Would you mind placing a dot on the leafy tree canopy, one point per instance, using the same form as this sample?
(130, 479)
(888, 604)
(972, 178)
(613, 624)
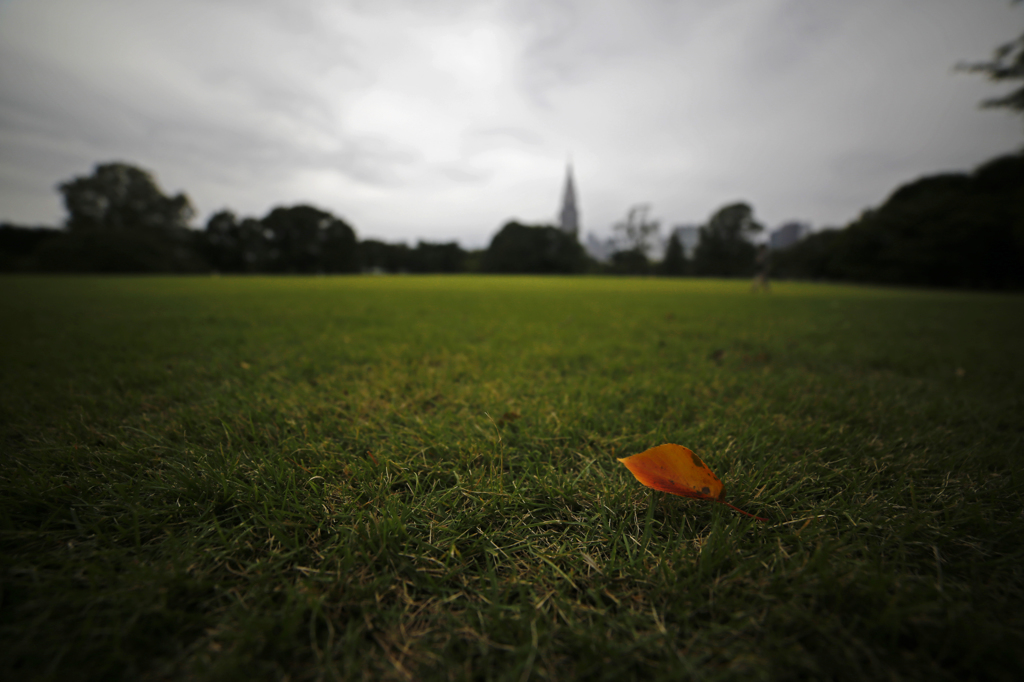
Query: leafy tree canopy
(234, 245)
(306, 239)
(119, 220)
(120, 197)
(955, 229)
(1007, 64)
(674, 263)
(724, 249)
(534, 249)
(637, 232)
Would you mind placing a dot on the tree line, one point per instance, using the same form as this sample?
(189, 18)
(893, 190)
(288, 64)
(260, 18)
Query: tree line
(948, 230)
(956, 229)
(953, 229)
(120, 221)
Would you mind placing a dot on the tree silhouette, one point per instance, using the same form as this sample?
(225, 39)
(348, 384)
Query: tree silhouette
(953, 229)
(537, 249)
(306, 239)
(634, 238)
(120, 221)
(1007, 64)
(636, 232)
(120, 197)
(674, 263)
(724, 248)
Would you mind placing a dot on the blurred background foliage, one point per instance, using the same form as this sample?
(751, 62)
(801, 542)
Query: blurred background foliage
(947, 230)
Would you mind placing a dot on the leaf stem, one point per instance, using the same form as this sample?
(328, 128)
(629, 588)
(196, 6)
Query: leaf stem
(756, 518)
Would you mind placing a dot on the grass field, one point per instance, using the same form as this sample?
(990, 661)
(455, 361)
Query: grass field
(416, 478)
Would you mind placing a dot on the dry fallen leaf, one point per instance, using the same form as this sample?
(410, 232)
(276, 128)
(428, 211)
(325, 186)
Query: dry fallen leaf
(674, 469)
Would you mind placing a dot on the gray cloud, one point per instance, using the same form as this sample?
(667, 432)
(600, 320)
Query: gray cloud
(440, 120)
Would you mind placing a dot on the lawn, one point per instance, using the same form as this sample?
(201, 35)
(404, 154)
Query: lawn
(415, 478)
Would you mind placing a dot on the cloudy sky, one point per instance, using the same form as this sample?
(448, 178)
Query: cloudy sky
(440, 120)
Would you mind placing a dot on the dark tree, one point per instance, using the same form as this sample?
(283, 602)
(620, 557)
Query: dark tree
(380, 256)
(533, 249)
(630, 262)
(637, 232)
(118, 197)
(953, 230)
(724, 249)
(254, 246)
(429, 257)
(233, 245)
(674, 264)
(223, 243)
(634, 237)
(426, 257)
(18, 245)
(306, 239)
(120, 221)
(813, 257)
(1007, 64)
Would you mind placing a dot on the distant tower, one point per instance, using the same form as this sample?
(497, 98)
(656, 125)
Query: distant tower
(569, 217)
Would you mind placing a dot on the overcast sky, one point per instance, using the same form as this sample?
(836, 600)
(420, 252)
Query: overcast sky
(441, 120)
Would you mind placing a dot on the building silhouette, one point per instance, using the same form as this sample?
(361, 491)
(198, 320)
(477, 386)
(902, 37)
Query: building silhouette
(569, 217)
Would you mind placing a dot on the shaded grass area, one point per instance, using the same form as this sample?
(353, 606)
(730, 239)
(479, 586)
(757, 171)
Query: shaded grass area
(415, 478)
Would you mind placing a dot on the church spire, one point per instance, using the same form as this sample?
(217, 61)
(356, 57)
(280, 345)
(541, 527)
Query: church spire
(569, 217)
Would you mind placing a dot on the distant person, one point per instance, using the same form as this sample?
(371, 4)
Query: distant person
(762, 263)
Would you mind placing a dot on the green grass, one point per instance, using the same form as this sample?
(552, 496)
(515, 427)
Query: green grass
(415, 478)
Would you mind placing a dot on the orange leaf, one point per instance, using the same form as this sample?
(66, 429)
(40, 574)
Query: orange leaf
(674, 469)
